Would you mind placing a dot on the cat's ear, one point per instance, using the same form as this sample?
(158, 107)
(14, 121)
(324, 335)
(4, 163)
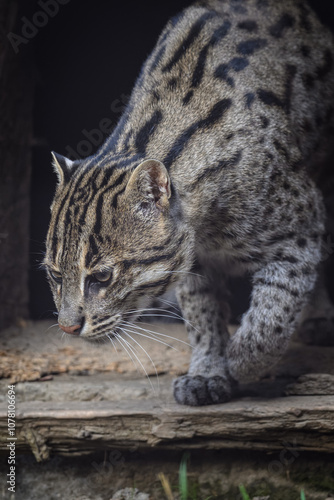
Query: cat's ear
(151, 181)
(62, 166)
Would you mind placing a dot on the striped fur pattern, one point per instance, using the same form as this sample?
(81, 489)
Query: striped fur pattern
(214, 169)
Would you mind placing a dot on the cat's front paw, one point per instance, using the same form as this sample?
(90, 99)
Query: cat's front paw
(317, 331)
(200, 391)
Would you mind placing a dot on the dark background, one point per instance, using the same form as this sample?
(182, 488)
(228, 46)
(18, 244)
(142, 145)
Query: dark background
(87, 58)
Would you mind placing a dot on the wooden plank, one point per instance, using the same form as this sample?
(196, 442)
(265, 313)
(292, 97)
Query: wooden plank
(306, 423)
(312, 384)
(115, 407)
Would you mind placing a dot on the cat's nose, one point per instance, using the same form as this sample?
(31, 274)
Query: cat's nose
(72, 330)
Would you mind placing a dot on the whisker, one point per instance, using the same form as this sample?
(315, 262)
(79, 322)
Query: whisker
(147, 354)
(160, 334)
(156, 333)
(177, 272)
(113, 343)
(171, 315)
(132, 349)
(144, 309)
(148, 336)
(52, 326)
(158, 309)
(166, 316)
(119, 338)
(169, 303)
(157, 316)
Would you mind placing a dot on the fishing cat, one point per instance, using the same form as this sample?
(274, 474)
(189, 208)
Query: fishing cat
(213, 169)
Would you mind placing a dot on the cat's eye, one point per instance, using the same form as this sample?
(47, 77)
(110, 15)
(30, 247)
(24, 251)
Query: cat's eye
(56, 276)
(102, 276)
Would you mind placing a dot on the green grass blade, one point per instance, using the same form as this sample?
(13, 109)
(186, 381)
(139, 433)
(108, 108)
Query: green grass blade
(243, 492)
(183, 481)
(302, 495)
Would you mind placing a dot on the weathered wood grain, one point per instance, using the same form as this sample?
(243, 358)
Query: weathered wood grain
(312, 384)
(307, 423)
(116, 407)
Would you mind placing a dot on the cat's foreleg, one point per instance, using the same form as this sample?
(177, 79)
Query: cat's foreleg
(206, 314)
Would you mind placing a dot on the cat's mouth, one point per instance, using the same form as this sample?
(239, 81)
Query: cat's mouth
(100, 328)
(109, 334)
(99, 339)
(97, 329)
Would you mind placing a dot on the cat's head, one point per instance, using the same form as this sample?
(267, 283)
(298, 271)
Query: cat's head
(112, 243)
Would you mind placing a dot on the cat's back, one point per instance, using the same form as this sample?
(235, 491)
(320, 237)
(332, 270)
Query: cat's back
(222, 72)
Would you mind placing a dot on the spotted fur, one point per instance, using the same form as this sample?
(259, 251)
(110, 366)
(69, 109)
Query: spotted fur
(214, 169)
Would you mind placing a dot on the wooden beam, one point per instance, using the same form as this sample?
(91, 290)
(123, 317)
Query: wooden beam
(306, 423)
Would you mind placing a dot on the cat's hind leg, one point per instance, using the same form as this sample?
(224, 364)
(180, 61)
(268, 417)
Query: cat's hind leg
(280, 291)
